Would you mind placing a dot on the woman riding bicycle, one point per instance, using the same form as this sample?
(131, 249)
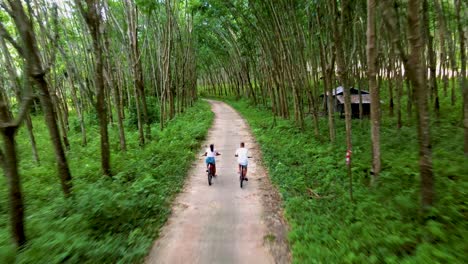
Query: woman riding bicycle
(210, 154)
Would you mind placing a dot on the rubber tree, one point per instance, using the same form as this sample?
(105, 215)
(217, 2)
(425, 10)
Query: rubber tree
(9, 126)
(413, 63)
(35, 69)
(374, 89)
(92, 12)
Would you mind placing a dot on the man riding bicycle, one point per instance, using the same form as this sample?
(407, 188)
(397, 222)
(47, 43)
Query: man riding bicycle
(210, 154)
(242, 155)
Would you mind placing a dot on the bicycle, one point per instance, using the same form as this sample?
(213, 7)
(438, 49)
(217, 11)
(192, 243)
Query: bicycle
(211, 167)
(210, 172)
(242, 175)
(243, 171)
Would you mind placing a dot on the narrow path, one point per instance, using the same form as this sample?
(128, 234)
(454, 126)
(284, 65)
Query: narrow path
(223, 223)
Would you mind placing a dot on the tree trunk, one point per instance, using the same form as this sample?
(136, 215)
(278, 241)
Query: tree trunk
(117, 102)
(141, 134)
(51, 121)
(92, 16)
(399, 88)
(326, 72)
(36, 72)
(420, 87)
(16, 85)
(442, 35)
(374, 89)
(391, 105)
(32, 139)
(409, 98)
(59, 116)
(432, 60)
(167, 94)
(415, 70)
(462, 77)
(9, 163)
(135, 60)
(338, 33)
(79, 111)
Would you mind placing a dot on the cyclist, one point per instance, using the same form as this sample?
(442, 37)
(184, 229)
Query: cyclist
(210, 154)
(242, 155)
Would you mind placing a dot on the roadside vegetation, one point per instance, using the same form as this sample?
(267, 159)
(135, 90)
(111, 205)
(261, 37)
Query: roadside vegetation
(107, 219)
(383, 224)
(99, 121)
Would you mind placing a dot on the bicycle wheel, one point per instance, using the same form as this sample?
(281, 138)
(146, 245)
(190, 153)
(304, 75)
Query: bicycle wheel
(241, 177)
(210, 175)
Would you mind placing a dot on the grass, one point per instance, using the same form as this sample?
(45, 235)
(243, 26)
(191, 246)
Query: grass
(108, 220)
(384, 224)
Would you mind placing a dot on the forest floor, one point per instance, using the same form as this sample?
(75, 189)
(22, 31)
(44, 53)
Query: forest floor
(223, 223)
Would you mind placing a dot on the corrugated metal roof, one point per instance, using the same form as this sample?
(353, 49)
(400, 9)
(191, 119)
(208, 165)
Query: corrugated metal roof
(355, 98)
(339, 90)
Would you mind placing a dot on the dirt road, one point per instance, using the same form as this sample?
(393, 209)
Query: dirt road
(223, 223)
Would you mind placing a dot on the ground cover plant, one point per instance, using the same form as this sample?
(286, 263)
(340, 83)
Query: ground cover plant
(107, 219)
(383, 224)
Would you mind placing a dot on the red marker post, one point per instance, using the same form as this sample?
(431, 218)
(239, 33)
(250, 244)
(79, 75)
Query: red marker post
(348, 157)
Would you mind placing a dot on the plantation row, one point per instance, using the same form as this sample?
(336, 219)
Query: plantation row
(381, 59)
(82, 66)
(386, 184)
(383, 224)
(107, 219)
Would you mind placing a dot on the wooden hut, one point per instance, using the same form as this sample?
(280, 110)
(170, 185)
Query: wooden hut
(338, 101)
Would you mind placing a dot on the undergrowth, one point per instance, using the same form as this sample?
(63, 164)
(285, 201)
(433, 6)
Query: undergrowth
(384, 224)
(108, 219)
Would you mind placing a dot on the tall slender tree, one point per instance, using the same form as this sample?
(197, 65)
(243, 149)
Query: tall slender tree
(463, 84)
(92, 13)
(374, 89)
(36, 71)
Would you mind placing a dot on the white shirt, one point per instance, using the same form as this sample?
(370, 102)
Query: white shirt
(210, 154)
(242, 156)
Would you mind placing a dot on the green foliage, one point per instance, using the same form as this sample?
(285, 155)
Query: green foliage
(384, 225)
(107, 220)
(152, 104)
